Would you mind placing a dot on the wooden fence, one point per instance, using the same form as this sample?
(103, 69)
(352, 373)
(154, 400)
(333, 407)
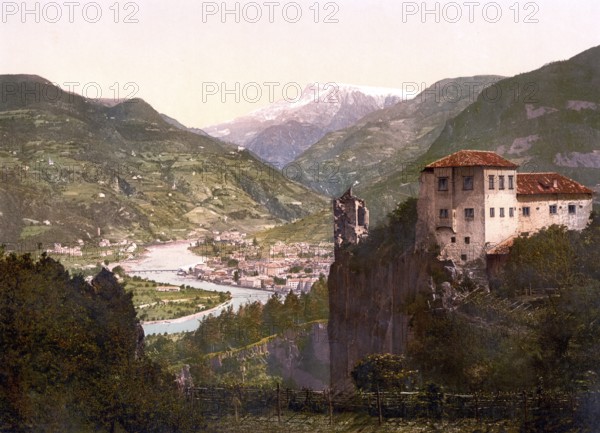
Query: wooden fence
(216, 402)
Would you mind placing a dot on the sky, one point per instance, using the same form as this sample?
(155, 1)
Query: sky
(208, 62)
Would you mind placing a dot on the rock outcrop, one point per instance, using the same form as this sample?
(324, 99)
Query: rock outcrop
(368, 309)
(300, 357)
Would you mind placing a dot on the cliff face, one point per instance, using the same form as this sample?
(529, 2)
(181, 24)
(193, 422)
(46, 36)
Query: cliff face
(300, 357)
(367, 309)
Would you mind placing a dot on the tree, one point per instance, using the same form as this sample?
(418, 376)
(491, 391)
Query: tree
(380, 372)
(383, 371)
(71, 357)
(544, 260)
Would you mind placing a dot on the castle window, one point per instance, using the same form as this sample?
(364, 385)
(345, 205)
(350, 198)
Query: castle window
(511, 182)
(463, 257)
(553, 209)
(469, 213)
(443, 213)
(442, 184)
(362, 216)
(500, 182)
(468, 182)
(501, 212)
(572, 209)
(491, 181)
(511, 212)
(467, 240)
(526, 211)
(453, 239)
(492, 212)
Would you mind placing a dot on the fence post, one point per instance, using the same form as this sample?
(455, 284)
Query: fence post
(330, 407)
(524, 407)
(278, 404)
(379, 406)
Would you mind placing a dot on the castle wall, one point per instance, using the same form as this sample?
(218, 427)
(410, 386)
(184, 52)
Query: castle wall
(540, 216)
(486, 228)
(502, 225)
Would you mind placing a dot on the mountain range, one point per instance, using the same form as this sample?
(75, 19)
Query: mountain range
(386, 140)
(545, 120)
(76, 168)
(79, 168)
(281, 131)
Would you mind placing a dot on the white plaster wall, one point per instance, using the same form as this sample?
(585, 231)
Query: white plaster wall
(497, 228)
(540, 216)
(482, 230)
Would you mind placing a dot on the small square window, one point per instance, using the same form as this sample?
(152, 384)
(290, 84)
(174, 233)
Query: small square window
(500, 182)
(572, 209)
(526, 211)
(501, 212)
(442, 184)
(553, 209)
(511, 212)
(444, 213)
(491, 181)
(469, 213)
(492, 212)
(463, 257)
(467, 240)
(453, 239)
(468, 182)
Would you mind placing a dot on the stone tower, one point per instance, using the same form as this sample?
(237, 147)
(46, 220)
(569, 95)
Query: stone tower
(350, 219)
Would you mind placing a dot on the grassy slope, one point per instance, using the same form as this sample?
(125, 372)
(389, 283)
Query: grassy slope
(156, 180)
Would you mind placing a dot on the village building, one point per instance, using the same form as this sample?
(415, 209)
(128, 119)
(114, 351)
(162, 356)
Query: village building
(474, 203)
(271, 269)
(300, 284)
(250, 282)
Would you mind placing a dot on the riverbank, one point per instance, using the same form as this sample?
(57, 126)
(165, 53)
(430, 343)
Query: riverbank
(155, 262)
(186, 318)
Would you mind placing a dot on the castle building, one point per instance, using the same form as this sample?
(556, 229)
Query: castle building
(474, 203)
(351, 219)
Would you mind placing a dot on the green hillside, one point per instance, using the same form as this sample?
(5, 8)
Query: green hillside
(385, 142)
(74, 168)
(545, 120)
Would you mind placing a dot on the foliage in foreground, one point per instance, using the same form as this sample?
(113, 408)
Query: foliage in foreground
(71, 358)
(507, 341)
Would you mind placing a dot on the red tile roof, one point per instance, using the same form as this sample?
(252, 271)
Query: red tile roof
(548, 183)
(472, 158)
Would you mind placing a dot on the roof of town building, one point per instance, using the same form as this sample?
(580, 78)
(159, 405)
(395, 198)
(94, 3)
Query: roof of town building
(548, 183)
(472, 158)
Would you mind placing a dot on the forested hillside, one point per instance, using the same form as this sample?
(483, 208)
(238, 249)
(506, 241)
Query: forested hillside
(72, 356)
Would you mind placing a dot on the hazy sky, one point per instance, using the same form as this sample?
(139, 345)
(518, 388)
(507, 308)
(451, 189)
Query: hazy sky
(182, 55)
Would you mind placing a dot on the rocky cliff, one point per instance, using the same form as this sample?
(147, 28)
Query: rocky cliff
(369, 308)
(300, 357)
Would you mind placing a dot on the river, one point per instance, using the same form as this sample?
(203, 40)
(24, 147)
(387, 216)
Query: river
(174, 255)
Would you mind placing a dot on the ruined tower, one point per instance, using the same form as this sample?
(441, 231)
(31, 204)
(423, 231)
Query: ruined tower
(350, 219)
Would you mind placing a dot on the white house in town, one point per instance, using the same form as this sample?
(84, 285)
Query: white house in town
(474, 203)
